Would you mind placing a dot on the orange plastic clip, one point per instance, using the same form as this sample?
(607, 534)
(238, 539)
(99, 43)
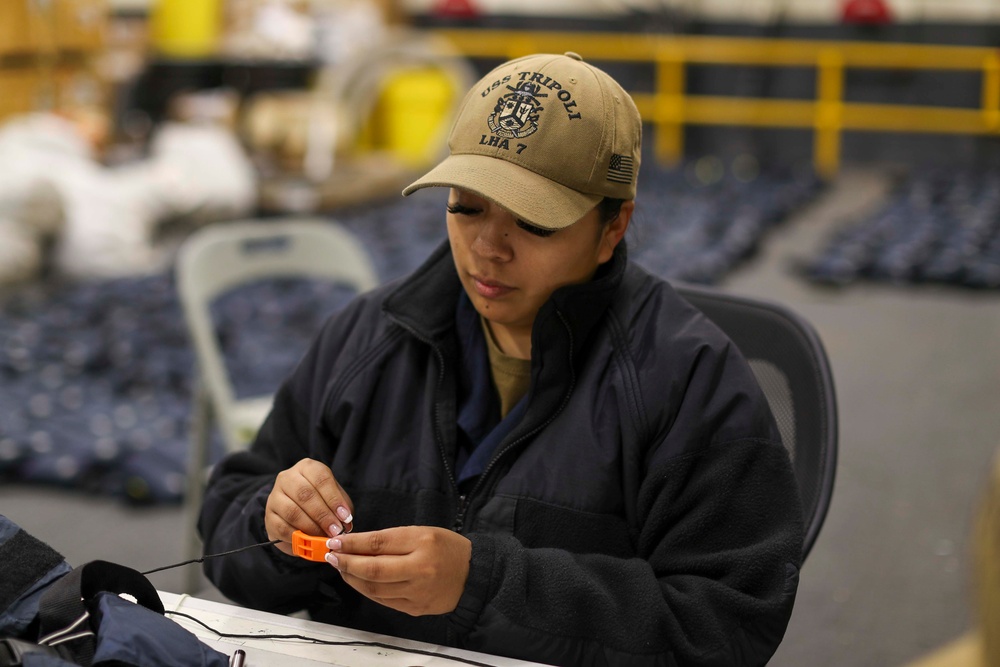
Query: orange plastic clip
(310, 547)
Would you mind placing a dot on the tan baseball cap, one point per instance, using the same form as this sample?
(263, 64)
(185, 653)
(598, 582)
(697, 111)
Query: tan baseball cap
(546, 137)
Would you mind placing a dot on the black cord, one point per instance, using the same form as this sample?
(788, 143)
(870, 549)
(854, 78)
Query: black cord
(314, 640)
(327, 642)
(202, 559)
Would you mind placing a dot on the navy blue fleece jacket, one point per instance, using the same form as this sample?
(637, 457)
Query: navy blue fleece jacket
(642, 512)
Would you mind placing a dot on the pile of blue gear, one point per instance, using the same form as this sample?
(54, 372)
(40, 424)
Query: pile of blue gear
(696, 223)
(938, 227)
(96, 378)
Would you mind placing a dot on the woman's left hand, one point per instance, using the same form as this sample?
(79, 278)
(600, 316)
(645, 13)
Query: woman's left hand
(417, 570)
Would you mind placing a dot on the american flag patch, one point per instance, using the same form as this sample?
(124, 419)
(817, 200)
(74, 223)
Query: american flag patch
(621, 169)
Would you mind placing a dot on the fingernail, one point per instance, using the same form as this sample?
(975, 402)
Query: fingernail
(333, 560)
(334, 544)
(345, 514)
(335, 529)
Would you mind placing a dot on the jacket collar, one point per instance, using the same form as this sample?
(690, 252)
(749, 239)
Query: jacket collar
(425, 301)
(576, 309)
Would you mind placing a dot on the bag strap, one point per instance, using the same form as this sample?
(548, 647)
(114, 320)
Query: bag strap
(64, 611)
(26, 562)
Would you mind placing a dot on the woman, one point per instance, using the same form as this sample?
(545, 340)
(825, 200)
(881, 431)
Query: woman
(529, 446)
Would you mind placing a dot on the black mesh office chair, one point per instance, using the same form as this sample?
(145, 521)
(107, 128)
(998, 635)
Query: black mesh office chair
(790, 363)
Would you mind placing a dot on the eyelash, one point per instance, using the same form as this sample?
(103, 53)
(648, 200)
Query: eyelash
(537, 231)
(459, 209)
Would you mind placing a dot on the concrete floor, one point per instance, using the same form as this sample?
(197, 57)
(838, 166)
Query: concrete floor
(918, 379)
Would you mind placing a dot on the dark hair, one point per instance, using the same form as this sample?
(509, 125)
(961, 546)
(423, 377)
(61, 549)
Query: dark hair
(609, 208)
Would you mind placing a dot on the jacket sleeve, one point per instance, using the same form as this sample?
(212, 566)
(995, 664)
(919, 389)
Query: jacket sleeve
(232, 514)
(718, 549)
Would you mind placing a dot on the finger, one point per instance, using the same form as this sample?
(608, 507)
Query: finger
(387, 593)
(276, 526)
(294, 502)
(282, 515)
(332, 496)
(278, 529)
(400, 596)
(375, 569)
(390, 541)
(309, 498)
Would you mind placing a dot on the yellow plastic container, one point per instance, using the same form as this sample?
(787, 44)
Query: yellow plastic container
(186, 28)
(411, 115)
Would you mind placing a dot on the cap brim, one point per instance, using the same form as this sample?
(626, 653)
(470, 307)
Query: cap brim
(524, 193)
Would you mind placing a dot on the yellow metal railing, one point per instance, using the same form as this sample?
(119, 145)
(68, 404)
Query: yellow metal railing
(669, 108)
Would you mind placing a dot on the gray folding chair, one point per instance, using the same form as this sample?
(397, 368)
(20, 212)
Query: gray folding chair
(790, 363)
(215, 260)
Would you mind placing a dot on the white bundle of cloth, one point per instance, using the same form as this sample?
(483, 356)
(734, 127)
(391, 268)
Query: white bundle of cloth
(103, 220)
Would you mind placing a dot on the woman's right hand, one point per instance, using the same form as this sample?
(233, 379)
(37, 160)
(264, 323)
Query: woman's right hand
(306, 497)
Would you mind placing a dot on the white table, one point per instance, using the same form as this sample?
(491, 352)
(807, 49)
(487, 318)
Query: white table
(232, 619)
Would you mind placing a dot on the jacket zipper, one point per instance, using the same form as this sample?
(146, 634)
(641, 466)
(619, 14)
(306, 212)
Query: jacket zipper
(464, 501)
